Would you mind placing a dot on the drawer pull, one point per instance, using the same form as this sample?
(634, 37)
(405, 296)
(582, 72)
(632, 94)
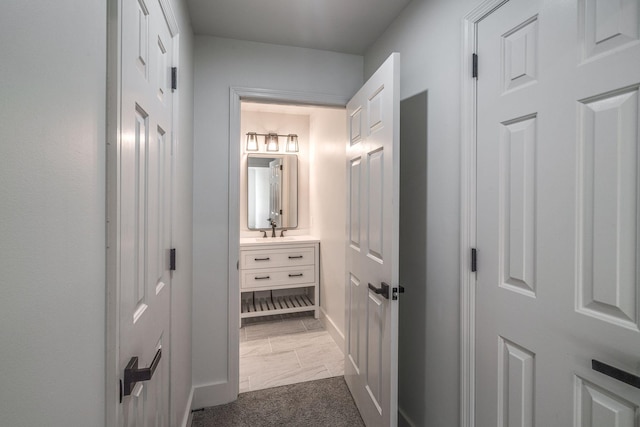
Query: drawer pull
(262, 277)
(295, 257)
(262, 259)
(296, 275)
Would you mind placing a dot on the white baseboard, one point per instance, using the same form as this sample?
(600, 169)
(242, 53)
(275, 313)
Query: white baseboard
(187, 418)
(212, 394)
(404, 420)
(333, 330)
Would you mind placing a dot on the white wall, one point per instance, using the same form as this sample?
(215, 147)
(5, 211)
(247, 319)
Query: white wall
(428, 36)
(283, 124)
(52, 214)
(219, 65)
(328, 210)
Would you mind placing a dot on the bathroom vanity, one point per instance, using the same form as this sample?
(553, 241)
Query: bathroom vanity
(279, 275)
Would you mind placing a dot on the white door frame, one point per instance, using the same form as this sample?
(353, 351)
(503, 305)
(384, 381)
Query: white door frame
(468, 209)
(113, 123)
(236, 96)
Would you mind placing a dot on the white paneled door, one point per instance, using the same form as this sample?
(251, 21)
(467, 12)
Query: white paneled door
(373, 158)
(275, 192)
(558, 213)
(143, 197)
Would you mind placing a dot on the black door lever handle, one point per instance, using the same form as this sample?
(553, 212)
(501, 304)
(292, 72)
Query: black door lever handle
(382, 290)
(618, 374)
(132, 374)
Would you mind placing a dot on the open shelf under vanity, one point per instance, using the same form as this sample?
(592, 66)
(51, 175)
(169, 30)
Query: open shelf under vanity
(258, 304)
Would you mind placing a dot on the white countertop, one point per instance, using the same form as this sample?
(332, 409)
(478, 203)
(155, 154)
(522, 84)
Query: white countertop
(252, 241)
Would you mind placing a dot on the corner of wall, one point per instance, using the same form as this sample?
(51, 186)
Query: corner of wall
(187, 416)
(330, 326)
(404, 420)
(212, 394)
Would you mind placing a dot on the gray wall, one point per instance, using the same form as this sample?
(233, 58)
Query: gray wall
(52, 220)
(428, 36)
(412, 340)
(52, 214)
(219, 65)
(182, 223)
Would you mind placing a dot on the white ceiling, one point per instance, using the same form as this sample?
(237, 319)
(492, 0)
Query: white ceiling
(348, 26)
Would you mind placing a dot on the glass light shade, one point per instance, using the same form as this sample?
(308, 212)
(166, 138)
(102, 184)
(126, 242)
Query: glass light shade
(272, 142)
(252, 141)
(292, 143)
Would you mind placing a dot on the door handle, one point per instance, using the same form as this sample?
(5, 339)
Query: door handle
(382, 290)
(615, 373)
(132, 374)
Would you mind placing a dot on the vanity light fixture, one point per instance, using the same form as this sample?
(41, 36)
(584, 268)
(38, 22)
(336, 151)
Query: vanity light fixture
(252, 141)
(271, 140)
(292, 143)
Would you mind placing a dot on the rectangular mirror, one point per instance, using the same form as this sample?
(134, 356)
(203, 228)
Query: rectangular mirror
(272, 190)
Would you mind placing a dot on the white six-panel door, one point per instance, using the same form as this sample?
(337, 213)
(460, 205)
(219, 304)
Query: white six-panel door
(275, 191)
(143, 195)
(558, 213)
(372, 245)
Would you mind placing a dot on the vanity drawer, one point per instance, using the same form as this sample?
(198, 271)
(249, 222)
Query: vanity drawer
(275, 277)
(277, 258)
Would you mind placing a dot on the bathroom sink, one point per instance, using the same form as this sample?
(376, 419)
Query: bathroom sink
(274, 239)
(252, 241)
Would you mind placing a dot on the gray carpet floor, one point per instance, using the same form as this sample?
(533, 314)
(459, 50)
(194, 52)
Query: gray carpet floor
(318, 403)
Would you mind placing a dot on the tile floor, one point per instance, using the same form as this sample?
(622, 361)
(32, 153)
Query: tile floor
(286, 350)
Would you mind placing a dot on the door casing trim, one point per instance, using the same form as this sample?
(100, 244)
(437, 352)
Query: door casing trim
(468, 200)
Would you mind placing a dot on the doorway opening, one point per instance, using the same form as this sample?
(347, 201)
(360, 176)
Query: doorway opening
(371, 157)
(291, 229)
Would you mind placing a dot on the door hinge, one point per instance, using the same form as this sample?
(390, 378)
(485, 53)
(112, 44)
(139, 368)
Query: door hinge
(121, 391)
(174, 78)
(238, 265)
(474, 260)
(172, 259)
(474, 71)
(280, 211)
(280, 167)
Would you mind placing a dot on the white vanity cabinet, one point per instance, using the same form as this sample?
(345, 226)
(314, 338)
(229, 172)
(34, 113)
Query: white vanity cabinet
(279, 275)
